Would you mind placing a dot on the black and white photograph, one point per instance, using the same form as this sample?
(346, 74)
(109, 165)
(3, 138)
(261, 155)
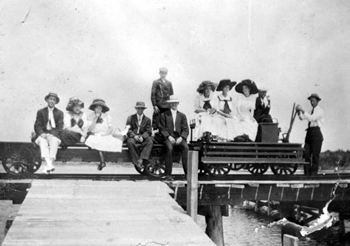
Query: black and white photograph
(175, 122)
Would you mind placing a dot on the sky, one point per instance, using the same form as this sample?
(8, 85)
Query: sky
(113, 50)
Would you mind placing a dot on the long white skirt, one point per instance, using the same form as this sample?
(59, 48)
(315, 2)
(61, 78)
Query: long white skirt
(248, 126)
(230, 128)
(207, 123)
(105, 143)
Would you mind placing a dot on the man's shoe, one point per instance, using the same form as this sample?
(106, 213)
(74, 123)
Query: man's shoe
(51, 169)
(139, 164)
(45, 171)
(167, 178)
(101, 166)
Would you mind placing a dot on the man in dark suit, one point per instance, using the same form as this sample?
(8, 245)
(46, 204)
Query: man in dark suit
(262, 107)
(140, 132)
(161, 90)
(174, 128)
(48, 127)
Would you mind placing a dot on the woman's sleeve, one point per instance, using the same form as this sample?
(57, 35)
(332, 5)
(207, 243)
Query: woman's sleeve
(109, 120)
(85, 120)
(215, 103)
(196, 103)
(66, 121)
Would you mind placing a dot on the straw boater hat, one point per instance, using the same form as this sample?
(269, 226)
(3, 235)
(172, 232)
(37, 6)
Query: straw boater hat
(224, 83)
(51, 94)
(99, 102)
(204, 85)
(251, 84)
(140, 105)
(263, 88)
(163, 69)
(173, 99)
(315, 95)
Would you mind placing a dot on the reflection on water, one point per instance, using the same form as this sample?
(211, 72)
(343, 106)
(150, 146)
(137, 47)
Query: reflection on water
(240, 230)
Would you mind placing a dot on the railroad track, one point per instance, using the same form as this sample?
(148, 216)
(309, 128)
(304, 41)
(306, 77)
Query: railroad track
(138, 177)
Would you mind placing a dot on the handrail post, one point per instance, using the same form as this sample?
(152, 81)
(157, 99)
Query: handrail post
(192, 185)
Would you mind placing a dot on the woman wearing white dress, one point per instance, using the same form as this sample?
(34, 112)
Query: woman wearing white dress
(245, 108)
(205, 107)
(227, 110)
(101, 130)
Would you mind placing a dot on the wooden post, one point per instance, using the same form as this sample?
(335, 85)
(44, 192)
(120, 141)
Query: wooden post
(192, 185)
(214, 228)
(289, 240)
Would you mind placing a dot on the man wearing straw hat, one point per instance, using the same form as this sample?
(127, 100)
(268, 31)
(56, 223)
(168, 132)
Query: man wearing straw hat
(48, 127)
(161, 90)
(140, 132)
(174, 128)
(314, 137)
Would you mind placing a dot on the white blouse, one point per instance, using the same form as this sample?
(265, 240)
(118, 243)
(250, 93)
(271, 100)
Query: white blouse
(315, 119)
(201, 99)
(246, 105)
(101, 127)
(68, 116)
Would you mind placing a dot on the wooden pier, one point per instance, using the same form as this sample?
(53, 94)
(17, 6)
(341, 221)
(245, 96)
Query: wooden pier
(81, 212)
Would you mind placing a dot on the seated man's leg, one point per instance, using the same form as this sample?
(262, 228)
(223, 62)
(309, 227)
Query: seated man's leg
(44, 147)
(184, 147)
(53, 146)
(168, 157)
(133, 150)
(147, 146)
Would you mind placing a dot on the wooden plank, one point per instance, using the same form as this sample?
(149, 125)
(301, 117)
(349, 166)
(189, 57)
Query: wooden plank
(233, 153)
(192, 184)
(102, 213)
(223, 160)
(274, 148)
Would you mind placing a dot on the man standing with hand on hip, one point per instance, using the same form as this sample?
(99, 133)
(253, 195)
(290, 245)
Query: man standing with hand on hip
(162, 89)
(314, 137)
(48, 127)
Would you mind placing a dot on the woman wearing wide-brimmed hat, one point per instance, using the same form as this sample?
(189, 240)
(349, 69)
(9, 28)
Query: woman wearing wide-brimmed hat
(205, 107)
(226, 108)
(75, 123)
(247, 90)
(101, 130)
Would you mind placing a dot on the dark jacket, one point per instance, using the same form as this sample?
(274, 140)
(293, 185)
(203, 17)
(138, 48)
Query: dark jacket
(145, 128)
(261, 110)
(160, 93)
(166, 125)
(42, 117)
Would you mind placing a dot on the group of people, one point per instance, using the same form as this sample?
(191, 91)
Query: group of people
(221, 115)
(227, 118)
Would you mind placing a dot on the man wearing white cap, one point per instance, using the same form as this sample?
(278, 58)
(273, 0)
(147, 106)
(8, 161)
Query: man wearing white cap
(314, 137)
(162, 89)
(174, 128)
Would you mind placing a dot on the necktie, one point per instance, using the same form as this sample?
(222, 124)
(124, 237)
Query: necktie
(227, 109)
(174, 121)
(312, 112)
(206, 105)
(139, 123)
(51, 121)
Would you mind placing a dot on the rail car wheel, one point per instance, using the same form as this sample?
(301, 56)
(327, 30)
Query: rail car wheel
(257, 169)
(20, 160)
(156, 165)
(219, 170)
(237, 167)
(286, 169)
